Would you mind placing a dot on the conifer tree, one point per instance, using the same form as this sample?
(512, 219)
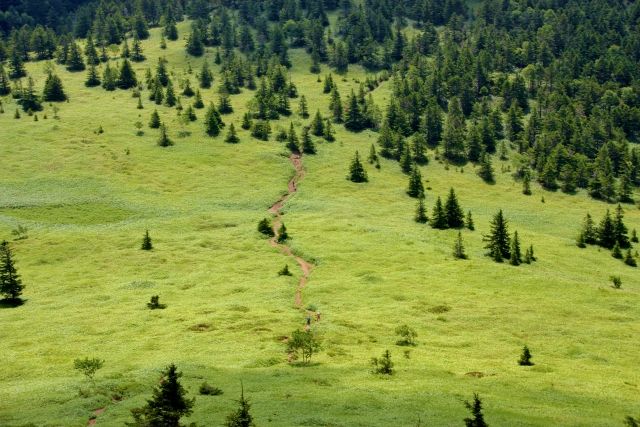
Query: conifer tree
(356, 170)
(486, 169)
(224, 104)
(168, 404)
(418, 147)
(634, 236)
(74, 59)
(469, 222)
(109, 78)
(154, 121)
(354, 120)
(616, 252)
(477, 417)
(136, 50)
(303, 109)
(29, 100)
(246, 121)
(406, 160)
(163, 140)
(16, 64)
(147, 245)
(205, 76)
(232, 136)
(53, 90)
(454, 133)
(629, 259)
(329, 134)
(525, 357)
(497, 241)
(328, 84)
(187, 91)
(170, 96)
(212, 121)
(335, 106)
(282, 233)
(195, 47)
(90, 52)
(308, 147)
(170, 31)
(197, 102)
(421, 212)
(415, 189)
(5, 88)
(264, 227)
(293, 144)
(373, 156)
(242, 416)
(620, 229)
(127, 78)
(516, 255)
(92, 77)
(126, 52)
(526, 183)
(432, 126)
(455, 216)
(10, 283)
(607, 232)
(317, 124)
(458, 248)
(439, 216)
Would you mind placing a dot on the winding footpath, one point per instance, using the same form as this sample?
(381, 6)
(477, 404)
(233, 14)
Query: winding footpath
(305, 266)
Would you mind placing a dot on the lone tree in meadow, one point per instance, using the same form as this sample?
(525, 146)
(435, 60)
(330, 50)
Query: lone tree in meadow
(168, 404)
(163, 140)
(212, 121)
(88, 366)
(304, 343)
(458, 248)
(264, 227)
(356, 170)
(53, 90)
(497, 241)
(241, 417)
(382, 365)
(10, 283)
(146, 242)
(415, 189)
(525, 357)
(477, 417)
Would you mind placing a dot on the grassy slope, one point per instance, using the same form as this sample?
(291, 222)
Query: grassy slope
(87, 203)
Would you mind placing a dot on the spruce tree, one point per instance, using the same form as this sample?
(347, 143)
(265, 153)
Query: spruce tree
(168, 404)
(421, 212)
(109, 78)
(516, 255)
(205, 76)
(293, 144)
(303, 109)
(16, 64)
(92, 77)
(74, 59)
(406, 160)
(455, 216)
(486, 169)
(170, 96)
(354, 120)
(373, 156)
(282, 233)
(90, 52)
(454, 133)
(10, 283)
(616, 252)
(28, 100)
(498, 241)
(127, 78)
(634, 236)
(146, 242)
(246, 121)
(242, 416)
(458, 248)
(308, 147)
(195, 47)
(415, 189)
(224, 104)
(469, 222)
(53, 90)
(125, 52)
(317, 124)
(335, 106)
(356, 170)
(629, 259)
(526, 183)
(477, 417)
(212, 121)
(607, 232)
(154, 121)
(232, 136)
(329, 134)
(197, 102)
(163, 140)
(439, 216)
(136, 50)
(620, 229)
(525, 357)
(5, 88)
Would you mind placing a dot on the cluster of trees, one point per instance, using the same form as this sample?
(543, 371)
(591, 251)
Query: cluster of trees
(611, 233)
(449, 215)
(501, 246)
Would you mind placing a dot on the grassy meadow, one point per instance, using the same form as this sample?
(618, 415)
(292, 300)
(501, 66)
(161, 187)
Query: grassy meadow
(87, 198)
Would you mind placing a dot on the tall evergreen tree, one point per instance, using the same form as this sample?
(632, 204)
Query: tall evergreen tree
(486, 169)
(354, 120)
(127, 77)
(439, 216)
(10, 283)
(293, 143)
(242, 416)
(498, 241)
(421, 212)
(477, 417)
(212, 121)
(607, 232)
(308, 147)
(356, 170)
(163, 140)
(92, 77)
(620, 230)
(516, 255)
(458, 248)
(74, 59)
(232, 136)
(455, 216)
(147, 245)
(53, 90)
(454, 133)
(415, 189)
(5, 88)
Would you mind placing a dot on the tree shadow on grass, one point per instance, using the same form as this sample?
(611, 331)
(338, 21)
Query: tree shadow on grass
(11, 302)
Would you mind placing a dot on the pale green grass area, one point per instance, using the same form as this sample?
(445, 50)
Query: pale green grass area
(87, 203)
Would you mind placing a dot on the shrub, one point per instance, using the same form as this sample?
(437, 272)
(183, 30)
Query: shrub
(87, 366)
(407, 335)
(154, 303)
(616, 282)
(383, 365)
(264, 227)
(525, 357)
(207, 389)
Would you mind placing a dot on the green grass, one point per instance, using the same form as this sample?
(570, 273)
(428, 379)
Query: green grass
(87, 198)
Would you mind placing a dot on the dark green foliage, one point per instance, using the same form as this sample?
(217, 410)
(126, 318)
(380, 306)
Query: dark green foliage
(477, 418)
(629, 259)
(154, 303)
(136, 51)
(469, 222)
(212, 121)
(154, 121)
(455, 130)
(415, 189)
(303, 109)
(28, 100)
(620, 229)
(195, 47)
(407, 335)
(439, 216)
(486, 169)
(498, 241)
(634, 236)
(285, 271)
(170, 95)
(261, 130)
(246, 121)
(329, 134)
(109, 78)
(197, 102)
(354, 120)
(305, 343)
(607, 232)
(74, 58)
(264, 227)
(516, 255)
(147, 245)
(11, 286)
(282, 234)
(458, 248)
(526, 183)
(53, 90)
(232, 136)
(5, 88)
(205, 76)
(308, 147)
(525, 357)
(382, 365)
(168, 404)
(356, 170)
(293, 144)
(164, 140)
(421, 212)
(224, 104)
(616, 252)
(455, 216)
(317, 124)
(242, 416)
(127, 78)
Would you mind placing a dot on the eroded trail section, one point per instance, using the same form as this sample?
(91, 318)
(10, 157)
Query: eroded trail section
(305, 266)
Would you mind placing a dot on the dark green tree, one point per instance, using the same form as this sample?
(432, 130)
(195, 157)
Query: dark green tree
(421, 212)
(147, 245)
(477, 418)
(516, 255)
(629, 259)
(308, 147)
(242, 416)
(282, 234)
(10, 283)
(383, 365)
(439, 216)
(163, 140)
(525, 357)
(455, 216)
(486, 169)
(458, 248)
(232, 136)
(212, 121)
(154, 121)
(303, 109)
(168, 404)
(469, 222)
(264, 227)
(53, 90)
(92, 77)
(356, 170)
(607, 232)
(498, 241)
(127, 78)
(74, 58)
(415, 188)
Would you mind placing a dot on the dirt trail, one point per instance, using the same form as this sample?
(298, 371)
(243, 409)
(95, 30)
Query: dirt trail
(305, 266)
(97, 412)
